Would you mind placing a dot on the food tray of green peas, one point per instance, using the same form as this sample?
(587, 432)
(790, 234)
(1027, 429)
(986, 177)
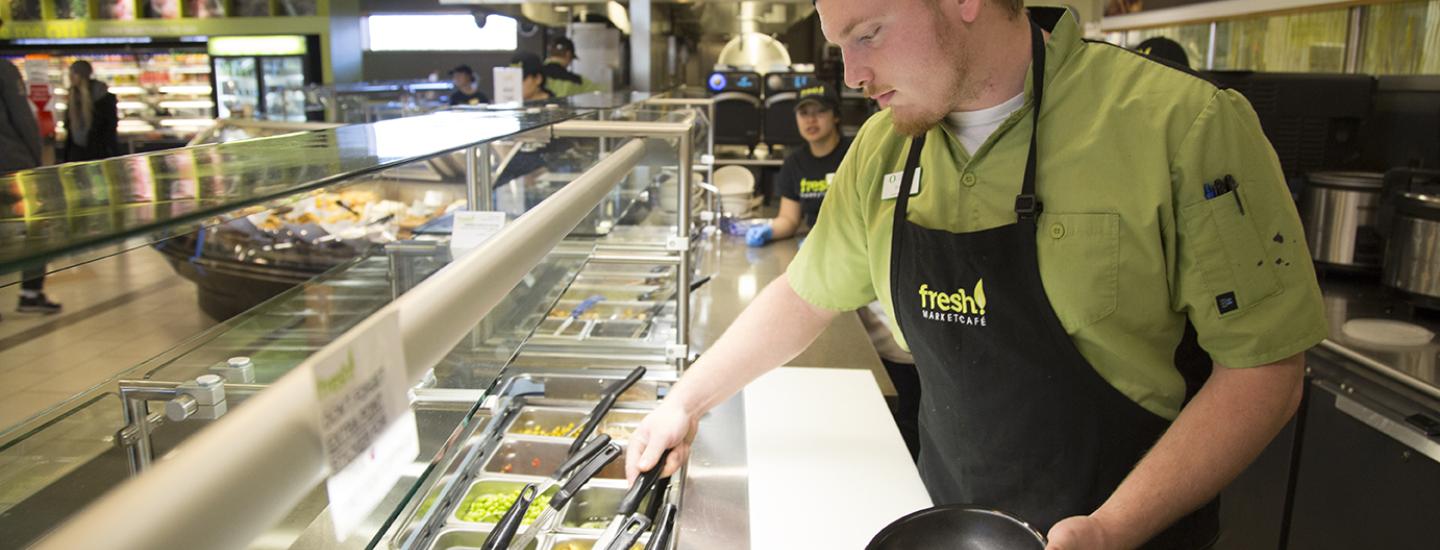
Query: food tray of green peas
(489, 498)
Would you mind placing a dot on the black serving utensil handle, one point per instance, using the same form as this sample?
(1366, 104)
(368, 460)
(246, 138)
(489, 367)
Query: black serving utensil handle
(630, 531)
(580, 457)
(499, 539)
(664, 526)
(657, 497)
(607, 400)
(642, 487)
(582, 475)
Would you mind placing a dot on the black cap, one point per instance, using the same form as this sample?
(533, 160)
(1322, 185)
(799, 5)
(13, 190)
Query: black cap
(528, 63)
(563, 45)
(821, 93)
(463, 69)
(1166, 49)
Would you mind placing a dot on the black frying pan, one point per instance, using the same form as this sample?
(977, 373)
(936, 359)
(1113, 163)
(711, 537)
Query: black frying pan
(957, 527)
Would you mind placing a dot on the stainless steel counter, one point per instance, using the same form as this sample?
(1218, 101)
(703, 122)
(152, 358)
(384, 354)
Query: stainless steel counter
(1349, 297)
(716, 501)
(740, 273)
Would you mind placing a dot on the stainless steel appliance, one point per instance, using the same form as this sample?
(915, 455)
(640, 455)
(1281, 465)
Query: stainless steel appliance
(1339, 210)
(1412, 256)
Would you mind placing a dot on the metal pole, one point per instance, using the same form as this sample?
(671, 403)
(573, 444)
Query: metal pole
(135, 397)
(682, 307)
(136, 412)
(640, 45)
(1355, 40)
(713, 205)
(1210, 48)
(472, 179)
(485, 178)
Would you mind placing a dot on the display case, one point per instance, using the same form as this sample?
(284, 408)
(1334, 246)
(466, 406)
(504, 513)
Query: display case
(163, 94)
(266, 77)
(579, 196)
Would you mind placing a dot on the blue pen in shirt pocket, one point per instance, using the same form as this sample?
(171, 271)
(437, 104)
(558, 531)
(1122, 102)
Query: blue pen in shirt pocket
(1222, 186)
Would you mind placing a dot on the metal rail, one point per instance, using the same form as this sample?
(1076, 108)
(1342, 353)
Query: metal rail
(240, 476)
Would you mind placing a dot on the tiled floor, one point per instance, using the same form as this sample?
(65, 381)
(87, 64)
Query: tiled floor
(118, 312)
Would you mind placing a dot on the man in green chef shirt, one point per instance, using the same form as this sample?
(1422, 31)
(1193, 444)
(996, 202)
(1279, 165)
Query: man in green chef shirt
(1061, 244)
(559, 79)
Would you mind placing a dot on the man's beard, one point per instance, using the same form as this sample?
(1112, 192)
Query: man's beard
(917, 122)
(920, 119)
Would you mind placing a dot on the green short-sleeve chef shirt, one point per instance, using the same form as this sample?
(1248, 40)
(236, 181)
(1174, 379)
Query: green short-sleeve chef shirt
(1130, 249)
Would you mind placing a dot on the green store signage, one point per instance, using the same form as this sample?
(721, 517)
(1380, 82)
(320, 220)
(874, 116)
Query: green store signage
(164, 27)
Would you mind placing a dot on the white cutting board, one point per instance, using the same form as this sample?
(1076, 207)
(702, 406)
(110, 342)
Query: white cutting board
(827, 466)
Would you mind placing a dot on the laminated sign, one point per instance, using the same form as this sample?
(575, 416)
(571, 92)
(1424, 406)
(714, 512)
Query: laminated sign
(364, 416)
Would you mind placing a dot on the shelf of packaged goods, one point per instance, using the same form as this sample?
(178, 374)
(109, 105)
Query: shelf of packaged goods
(186, 89)
(187, 104)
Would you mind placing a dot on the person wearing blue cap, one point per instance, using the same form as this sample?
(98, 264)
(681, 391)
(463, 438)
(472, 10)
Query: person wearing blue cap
(806, 174)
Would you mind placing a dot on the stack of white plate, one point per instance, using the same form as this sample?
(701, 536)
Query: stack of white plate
(736, 185)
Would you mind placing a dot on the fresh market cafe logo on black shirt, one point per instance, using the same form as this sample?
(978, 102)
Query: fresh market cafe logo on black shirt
(959, 307)
(815, 189)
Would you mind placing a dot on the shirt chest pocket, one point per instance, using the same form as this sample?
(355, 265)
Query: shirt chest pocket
(1229, 255)
(1079, 256)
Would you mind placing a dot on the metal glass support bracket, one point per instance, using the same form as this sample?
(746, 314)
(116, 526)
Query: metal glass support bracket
(203, 397)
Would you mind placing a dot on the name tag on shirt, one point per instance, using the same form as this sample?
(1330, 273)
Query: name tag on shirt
(890, 187)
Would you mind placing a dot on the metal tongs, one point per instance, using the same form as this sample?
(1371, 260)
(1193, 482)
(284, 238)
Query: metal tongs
(505, 529)
(635, 525)
(579, 310)
(627, 525)
(607, 400)
(573, 463)
(606, 452)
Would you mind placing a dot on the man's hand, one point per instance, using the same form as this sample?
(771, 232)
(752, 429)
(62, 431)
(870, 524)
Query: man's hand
(773, 329)
(1077, 533)
(668, 427)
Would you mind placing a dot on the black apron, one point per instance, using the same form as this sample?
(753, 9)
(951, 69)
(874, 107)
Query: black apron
(1012, 416)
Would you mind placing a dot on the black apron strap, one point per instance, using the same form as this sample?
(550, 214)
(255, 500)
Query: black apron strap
(1027, 205)
(912, 163)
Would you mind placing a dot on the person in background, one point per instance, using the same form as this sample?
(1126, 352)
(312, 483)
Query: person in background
(558, 77)
(806, 174)
(20, 150)
(467, 87)
(1164, 49)
(19, 132)
(533, 87)
(803, 181)
(91, 118)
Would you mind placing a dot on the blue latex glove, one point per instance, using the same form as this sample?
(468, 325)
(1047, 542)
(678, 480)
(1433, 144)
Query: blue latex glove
(759, 235)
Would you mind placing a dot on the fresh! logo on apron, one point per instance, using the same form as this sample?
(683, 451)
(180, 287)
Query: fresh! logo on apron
(954, 307)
